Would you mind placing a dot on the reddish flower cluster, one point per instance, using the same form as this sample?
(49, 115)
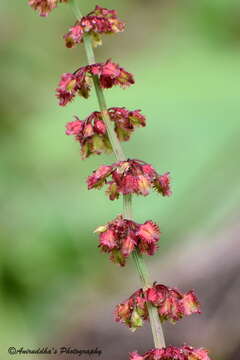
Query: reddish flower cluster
(172, 353)
(171, 304)
(44, 7)
(92, 133)
(121, 237)
(125, 121)
(133, 311)
(128, 177)
(100, 21)
(109, 73)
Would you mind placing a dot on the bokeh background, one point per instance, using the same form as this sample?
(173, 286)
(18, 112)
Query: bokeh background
(55, 287)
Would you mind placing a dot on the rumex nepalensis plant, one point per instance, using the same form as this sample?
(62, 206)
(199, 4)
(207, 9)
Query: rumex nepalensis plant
(122, 236)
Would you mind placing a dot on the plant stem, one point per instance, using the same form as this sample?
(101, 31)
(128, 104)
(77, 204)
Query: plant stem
(155, 322)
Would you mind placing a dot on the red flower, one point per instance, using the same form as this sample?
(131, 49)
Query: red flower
(172, 353)
(133, 311)
(98, 22)
(126, 121)
(72, 84)
(99, 176)
(44, 7)
(121, 237)
(169, 302)
(131, 176)
(109, 73)
(92, 133)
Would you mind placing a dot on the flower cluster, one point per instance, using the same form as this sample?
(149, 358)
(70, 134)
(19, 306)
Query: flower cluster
(110, 74)
(100, 21)
(128, 177)
(171, 305)
(121, 237)
(44, 7)
(92, 133)
(133, 311)
(172, 353)
(125, 121)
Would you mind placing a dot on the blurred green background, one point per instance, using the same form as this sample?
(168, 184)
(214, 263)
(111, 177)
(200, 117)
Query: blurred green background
(185, 57)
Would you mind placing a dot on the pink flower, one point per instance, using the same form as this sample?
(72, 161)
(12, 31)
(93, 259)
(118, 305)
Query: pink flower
(111, 74)
(44, 7)
(172, 353)
(99, 176)
(121, 237)
(162, 184)
(79, 83)
(126, 121)
(169, 302)
(75, 35)
(92, 133)
(131, 176)
(135, 356)
(98, 22)
(133, 311)
(72, 84)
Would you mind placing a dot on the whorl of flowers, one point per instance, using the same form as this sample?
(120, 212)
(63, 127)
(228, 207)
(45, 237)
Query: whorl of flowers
(121, 237)
(129, 177)
(79, 83)
(98, 22)
(172, 353)
(44, 7)
(171, 305)
(92, 135)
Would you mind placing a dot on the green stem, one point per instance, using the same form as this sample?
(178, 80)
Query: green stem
(155, 322)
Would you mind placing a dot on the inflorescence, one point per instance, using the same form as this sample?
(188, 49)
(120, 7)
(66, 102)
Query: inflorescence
(121, 237)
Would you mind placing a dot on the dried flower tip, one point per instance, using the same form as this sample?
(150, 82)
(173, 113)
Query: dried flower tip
(98, 22)
(79, 83)
(44, 7)
(172, 353)
(121, 237)
(131, 176)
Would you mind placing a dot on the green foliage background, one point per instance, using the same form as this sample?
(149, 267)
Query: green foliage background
(185, 58)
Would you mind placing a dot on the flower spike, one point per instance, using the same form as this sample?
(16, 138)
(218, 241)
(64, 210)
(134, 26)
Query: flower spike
(92, 133)
(121, 237)
(98, 22)
(79, 83)
(130, 177)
